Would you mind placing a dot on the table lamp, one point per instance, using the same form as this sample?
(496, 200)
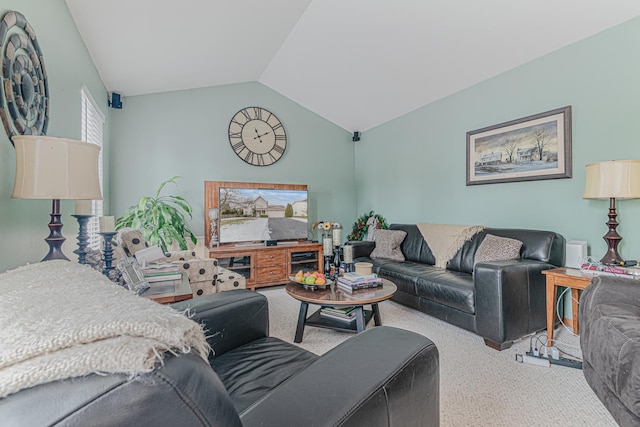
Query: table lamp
(616, 179)
(55, 168)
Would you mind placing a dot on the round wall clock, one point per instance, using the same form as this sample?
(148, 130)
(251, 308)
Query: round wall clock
(257, 136)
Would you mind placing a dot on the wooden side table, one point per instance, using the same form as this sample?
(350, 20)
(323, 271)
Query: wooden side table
(571, 278)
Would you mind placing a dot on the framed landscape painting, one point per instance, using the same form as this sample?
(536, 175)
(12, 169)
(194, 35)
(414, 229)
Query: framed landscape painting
(531, 148)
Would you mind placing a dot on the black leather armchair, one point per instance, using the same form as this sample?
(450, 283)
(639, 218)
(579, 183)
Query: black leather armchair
(382, 377)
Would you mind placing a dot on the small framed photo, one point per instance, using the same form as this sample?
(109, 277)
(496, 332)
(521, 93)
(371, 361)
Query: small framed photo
(531, 148)
(132, 274)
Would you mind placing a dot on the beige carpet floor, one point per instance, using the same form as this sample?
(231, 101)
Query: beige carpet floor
(478, 386)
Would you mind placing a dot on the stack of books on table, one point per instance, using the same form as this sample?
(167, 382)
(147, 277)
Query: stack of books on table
(162, 277)
(345, 314)
(351, 282)
(612, 270)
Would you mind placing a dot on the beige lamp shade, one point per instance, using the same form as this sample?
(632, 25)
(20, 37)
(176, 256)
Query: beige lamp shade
(619, 179)
(55, 168)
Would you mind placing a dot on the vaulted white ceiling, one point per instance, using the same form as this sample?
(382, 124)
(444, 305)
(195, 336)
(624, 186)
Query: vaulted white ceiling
(357, 63)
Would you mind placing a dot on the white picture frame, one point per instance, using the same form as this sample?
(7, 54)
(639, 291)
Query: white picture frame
(132, 274)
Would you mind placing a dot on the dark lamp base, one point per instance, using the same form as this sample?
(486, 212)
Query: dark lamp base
(612, 237)
(55, 238)
(612, 258)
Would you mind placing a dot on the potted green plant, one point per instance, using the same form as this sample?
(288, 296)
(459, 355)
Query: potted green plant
(162, 219)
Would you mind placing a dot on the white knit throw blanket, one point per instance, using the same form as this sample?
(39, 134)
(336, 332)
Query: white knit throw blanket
(60, 319)
(445, 240)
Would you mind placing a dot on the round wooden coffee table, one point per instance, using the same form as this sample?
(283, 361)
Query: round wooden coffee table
(333, 296)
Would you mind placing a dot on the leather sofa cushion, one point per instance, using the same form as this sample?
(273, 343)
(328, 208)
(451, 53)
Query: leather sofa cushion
(614, 339)
(545, 246)
(463, 260)
(403, 274)
(250, 371)
(451, 288)
(414, 246)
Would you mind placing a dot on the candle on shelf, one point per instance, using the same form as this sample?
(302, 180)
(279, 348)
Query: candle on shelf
(83, 207)
(337, 236)
(327, 246)
(107, 224)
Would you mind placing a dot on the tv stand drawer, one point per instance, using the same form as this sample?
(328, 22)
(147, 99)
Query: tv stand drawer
(273, 257)
(276, 272)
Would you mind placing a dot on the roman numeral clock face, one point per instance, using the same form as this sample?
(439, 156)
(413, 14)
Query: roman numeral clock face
(257, 136)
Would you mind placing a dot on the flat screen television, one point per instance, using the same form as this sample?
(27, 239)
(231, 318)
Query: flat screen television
(258, 214)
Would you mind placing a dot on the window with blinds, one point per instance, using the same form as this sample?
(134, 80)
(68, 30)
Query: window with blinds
(92, 125)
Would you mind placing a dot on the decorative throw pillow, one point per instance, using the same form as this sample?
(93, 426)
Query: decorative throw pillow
(388, 244)
(495, 248)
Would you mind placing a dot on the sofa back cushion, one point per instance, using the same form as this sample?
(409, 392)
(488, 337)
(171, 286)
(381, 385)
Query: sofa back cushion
(545, 246)
(414, 246)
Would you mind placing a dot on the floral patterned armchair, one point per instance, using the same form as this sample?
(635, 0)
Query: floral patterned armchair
(205, 277)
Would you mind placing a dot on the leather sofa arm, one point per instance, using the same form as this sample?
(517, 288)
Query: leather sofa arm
(184, 391)
(383, 376)
(230, 319)
(510, 300)
(362, 249)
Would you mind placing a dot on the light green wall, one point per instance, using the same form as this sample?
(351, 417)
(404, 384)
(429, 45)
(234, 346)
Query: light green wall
(184, 133)
(23, 223)
(412, 169)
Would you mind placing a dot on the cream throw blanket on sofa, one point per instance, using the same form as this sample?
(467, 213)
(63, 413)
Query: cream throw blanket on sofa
(445, 240)
(60, 319)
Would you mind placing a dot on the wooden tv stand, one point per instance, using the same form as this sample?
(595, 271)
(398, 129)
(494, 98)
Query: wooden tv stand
(269, 265)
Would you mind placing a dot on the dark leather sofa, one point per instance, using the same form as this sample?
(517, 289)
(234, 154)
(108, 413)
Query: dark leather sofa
(382, 377)
(609, 319)
(500, 301)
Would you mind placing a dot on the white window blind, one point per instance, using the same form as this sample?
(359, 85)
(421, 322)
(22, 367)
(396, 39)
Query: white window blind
(92, 124)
